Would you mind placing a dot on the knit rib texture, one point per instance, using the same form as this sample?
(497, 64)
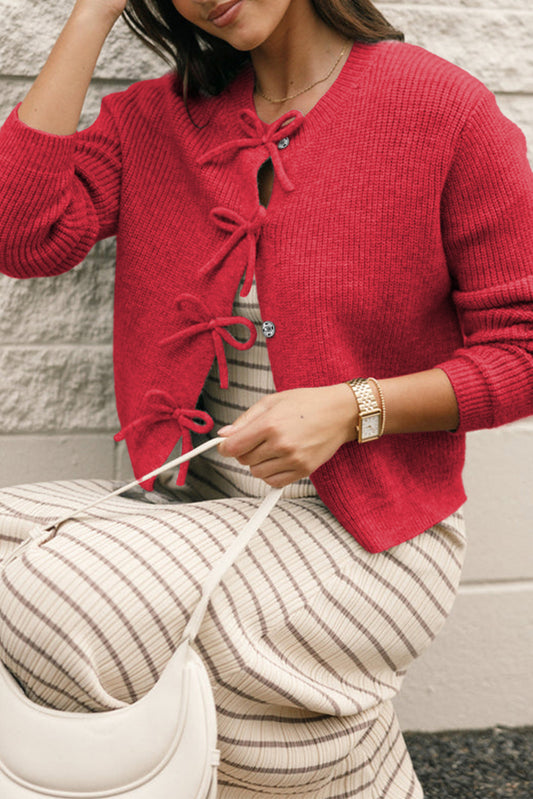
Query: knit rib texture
(398, 238)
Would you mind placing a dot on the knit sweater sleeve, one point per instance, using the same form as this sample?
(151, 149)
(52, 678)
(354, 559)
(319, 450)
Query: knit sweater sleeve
(487, 229)
(60, 195)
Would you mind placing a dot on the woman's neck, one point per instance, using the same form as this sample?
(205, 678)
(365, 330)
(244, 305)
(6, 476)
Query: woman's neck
(300, 52)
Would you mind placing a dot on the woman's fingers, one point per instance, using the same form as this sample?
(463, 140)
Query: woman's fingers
(288, 435)
(245, 434)
(272, 473)
(264, 462)
(281, 480)
(257, 455)
(240, 444)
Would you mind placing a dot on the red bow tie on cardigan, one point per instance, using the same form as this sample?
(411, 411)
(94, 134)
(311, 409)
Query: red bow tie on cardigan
(240, 228)
(259, 136)
(216, 327)
(160, 407)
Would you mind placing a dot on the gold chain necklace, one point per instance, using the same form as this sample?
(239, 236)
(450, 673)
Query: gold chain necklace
(307, 88)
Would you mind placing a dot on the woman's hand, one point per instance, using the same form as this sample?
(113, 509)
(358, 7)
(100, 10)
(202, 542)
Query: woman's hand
(288, 435)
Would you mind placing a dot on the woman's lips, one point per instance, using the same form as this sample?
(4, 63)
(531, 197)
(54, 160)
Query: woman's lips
(225, 13)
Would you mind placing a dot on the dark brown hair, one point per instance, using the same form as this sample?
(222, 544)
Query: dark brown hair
(207, 64)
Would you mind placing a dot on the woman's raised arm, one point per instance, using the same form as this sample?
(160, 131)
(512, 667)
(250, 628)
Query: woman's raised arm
(55, 100)
(60, 189)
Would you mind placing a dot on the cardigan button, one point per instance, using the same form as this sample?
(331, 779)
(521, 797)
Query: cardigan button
(283, 143)
(268, 328)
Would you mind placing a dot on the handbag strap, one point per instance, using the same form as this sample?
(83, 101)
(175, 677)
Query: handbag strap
(226, 561)
(53, 526)
(40, 536)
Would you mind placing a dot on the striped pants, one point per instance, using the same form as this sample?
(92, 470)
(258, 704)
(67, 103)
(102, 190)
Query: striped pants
(306, 640)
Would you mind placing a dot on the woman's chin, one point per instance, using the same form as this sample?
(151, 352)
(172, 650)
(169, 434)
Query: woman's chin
(242, 37)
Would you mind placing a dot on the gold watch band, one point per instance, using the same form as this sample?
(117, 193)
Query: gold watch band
(370, 417)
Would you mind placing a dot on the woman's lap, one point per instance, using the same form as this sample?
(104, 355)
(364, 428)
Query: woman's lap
(306, 639)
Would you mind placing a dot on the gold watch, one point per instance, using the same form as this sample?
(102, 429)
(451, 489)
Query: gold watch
(369, 426)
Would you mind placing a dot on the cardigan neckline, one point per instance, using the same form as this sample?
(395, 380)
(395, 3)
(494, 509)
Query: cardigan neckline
(360, 58)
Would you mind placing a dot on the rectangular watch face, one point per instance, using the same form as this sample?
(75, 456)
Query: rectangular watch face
(370, 426)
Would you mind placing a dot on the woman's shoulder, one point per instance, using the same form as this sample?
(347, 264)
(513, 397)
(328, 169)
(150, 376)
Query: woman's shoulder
(146, 97)
(417, 84)
(148, 110)
(412, 68)
(417, 62)
(158, 106)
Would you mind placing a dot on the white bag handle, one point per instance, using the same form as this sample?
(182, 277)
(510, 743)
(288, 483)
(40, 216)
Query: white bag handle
(166, 466)
(239, 545)
(215, 576)
(163, 743)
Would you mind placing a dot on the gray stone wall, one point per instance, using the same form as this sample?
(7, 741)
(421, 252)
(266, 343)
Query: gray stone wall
(58, 413)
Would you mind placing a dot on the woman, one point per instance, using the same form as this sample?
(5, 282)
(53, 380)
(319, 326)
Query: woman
(307, 205)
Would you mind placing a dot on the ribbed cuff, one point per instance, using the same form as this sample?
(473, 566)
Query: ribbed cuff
(34, 150)
(476, 410)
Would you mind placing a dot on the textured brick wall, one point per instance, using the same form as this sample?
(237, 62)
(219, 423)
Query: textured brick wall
(57, 403)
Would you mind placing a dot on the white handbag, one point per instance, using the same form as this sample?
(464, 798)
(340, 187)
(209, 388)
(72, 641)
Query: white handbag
(162, 747)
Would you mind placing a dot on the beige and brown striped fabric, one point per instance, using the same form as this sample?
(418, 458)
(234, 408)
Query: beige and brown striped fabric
(306, 640)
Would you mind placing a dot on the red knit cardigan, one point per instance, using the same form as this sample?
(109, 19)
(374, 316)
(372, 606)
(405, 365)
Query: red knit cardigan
(399, 237)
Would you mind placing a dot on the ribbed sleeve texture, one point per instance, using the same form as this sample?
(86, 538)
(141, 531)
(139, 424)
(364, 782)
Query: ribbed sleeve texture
(399, 237)
(487, 224)
(60, 194)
